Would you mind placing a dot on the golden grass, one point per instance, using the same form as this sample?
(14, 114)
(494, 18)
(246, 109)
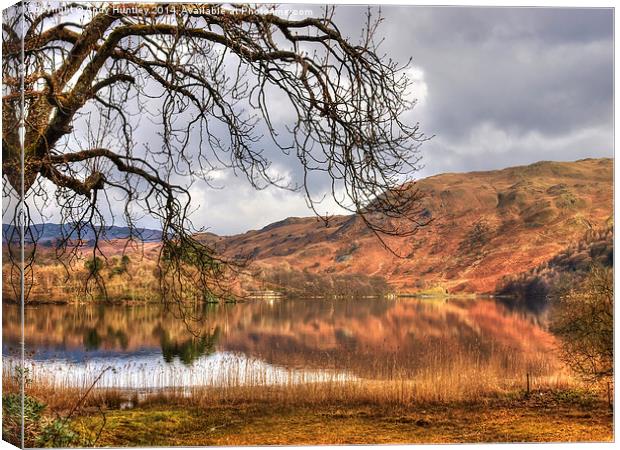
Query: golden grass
(273, 424)
(433, 385)
(363, 412)
(54, 282)
(460, 404)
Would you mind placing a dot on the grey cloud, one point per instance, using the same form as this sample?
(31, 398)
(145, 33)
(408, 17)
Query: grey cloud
(509, 66)
(504, 86)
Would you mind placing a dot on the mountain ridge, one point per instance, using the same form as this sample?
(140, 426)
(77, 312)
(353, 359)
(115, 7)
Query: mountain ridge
(487, 226)
(48, 232)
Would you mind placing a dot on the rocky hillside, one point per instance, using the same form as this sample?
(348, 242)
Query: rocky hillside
(486, 226)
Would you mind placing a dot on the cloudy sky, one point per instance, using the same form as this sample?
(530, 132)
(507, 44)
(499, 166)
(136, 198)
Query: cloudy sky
(496, 86)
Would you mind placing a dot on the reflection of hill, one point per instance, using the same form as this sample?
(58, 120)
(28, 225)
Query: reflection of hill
(409, 336)
(368, 336)
(96, 327)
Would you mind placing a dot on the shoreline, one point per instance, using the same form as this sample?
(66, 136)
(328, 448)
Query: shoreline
(253, 298)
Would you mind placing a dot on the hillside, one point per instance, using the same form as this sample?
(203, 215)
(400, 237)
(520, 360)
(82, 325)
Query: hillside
(494, 231)
(564, 270)
(487, 226)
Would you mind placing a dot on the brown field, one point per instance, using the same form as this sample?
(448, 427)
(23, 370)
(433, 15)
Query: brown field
(367, 412)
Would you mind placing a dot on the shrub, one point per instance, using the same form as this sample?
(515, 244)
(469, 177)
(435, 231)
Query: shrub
(94, 265)
(12, 419)
(476, 238)
(583, 319)
(38, 430)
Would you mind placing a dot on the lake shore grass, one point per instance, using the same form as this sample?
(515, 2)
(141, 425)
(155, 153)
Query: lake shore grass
(543, 416)
(364, 412)
(316, 414)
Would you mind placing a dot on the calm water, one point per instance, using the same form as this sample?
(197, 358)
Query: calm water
(277, 342)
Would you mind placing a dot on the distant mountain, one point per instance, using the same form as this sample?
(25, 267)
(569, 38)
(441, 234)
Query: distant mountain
(487, 226)
(48, 233)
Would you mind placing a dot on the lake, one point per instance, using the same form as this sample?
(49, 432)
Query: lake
(449, 343)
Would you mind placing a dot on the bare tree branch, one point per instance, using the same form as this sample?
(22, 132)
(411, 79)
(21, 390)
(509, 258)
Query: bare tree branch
(209, 81)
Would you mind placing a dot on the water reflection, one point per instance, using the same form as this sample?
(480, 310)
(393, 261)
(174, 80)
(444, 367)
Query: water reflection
(93, 339)
(150, 372)
(308, 340)
(188, 350)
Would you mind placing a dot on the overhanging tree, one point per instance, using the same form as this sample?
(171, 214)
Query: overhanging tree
(205, 79)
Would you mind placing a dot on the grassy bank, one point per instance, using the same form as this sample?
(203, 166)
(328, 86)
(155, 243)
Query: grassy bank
(369, 412)
(547, 416)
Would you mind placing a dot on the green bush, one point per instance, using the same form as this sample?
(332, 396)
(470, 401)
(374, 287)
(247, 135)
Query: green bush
(39, 431)
(94, 265)
(57, 433)
(12, 419)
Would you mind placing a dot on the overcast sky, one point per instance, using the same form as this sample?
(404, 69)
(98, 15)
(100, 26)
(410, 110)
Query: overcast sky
(496, 86)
